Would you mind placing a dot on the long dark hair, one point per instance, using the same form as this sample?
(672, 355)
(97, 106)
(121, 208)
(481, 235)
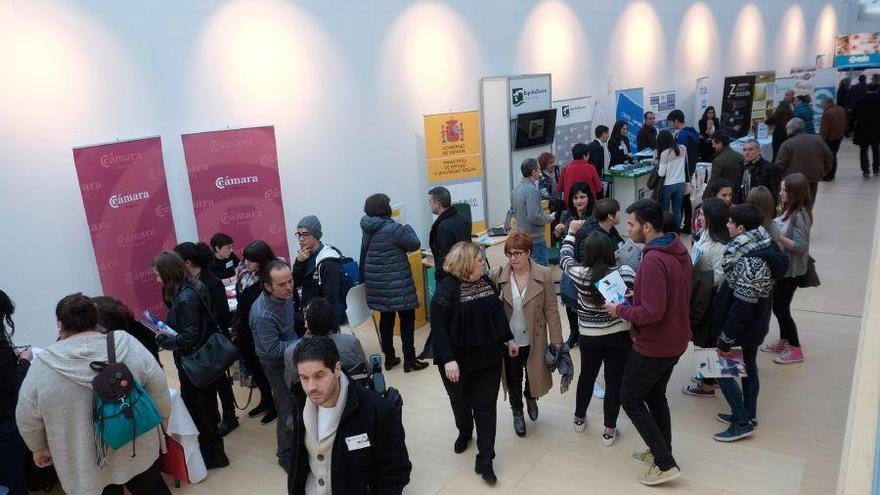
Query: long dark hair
(597, 251)
(260, 253)
(797, 192)
(7, 326)
(580, 187)
(705, 117)
(666, 141)
(172, 272)
(615, 131)
(199, 254)
(716, 212)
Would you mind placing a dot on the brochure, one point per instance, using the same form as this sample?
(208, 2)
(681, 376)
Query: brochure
(710, 364)
(158, 326)
(612, 288)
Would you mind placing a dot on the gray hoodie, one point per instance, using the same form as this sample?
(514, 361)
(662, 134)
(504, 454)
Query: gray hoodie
(55, 410)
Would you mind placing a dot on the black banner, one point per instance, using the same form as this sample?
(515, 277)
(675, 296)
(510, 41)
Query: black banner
(736, 106)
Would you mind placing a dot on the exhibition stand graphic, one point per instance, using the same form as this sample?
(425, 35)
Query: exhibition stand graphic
(574, 124)
(630, 108)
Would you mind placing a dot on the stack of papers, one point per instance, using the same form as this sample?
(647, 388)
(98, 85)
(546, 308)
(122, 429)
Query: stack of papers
(710, 364)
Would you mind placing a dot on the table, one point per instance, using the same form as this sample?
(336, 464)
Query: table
(629, 184)
(182, 429)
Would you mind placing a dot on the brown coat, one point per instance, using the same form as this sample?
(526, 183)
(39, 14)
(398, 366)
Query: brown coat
(807, 154)
(833, 123)
(541, 310)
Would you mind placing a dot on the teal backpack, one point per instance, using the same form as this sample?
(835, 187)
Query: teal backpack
(123, 410)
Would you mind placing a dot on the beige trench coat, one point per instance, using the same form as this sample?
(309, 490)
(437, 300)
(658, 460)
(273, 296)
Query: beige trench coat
(541, 311)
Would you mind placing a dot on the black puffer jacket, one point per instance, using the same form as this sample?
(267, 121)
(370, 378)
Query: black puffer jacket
(190, 315)
(384, 265)
(449, 229)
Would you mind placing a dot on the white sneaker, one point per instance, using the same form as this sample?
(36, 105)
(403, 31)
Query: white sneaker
(580, 424)
(607, 440)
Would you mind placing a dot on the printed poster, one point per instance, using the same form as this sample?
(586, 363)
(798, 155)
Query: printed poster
(630, 109)
(126, 201)
(233, 175)
(661, 103)
(736, 105)
(701, 98)
(763, 102)
(529, 94)
(452, 146)
(574, 124)
(857, 50)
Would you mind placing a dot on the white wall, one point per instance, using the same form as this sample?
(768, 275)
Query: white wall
(856, 25)
(345, 83)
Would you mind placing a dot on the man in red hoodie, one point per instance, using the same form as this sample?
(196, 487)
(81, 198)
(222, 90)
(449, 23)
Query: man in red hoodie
(579, 170)
(660, 334)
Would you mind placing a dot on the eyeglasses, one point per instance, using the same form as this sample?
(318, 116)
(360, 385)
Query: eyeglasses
(300, 235)
(515, 254)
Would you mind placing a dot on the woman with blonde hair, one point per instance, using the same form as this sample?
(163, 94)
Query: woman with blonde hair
(471, 337)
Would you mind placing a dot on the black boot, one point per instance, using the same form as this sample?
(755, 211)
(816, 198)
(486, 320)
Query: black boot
(227, 425)
(391, 362)
(414, 365)
(461, 443)
(519, 423)
(215, 458)
(532, 408)
(485, 470)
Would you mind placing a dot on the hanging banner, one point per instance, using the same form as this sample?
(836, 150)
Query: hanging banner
(233, 175)
(470, 192)
(630, 108)
(763, 102)
(126, 201)
(803, 80)
(701, 98)
(574, 124)
(736, 105)
(661, 103)
(857, 51)
(452, 146)
(529, 94)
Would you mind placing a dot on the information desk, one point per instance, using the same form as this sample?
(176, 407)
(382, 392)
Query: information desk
(629, 183)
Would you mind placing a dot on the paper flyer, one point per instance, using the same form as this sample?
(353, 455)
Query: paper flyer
(612, 288)
(710, 364)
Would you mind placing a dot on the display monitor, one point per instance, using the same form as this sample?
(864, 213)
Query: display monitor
(534, 129)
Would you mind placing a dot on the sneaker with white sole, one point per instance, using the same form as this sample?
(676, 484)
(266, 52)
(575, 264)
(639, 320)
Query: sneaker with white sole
(608, 440)
(777, 346)
(698, 391)
(728, 419)
(655, 476)
(580, 424)
(735, 432)
(645, 457)
(789, 355)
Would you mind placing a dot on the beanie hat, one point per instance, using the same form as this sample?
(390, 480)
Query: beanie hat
(312, 224)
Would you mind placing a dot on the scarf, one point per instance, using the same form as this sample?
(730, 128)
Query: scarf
(742, 245)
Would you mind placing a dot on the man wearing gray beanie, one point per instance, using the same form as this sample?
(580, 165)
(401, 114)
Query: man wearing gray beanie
(317, 268)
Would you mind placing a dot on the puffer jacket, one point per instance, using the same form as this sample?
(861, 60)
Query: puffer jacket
(190, 315)
(384, 264)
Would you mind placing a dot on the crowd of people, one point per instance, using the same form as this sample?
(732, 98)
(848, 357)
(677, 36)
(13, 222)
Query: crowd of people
(491, 330)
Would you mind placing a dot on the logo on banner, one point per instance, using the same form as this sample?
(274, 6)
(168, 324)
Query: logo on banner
(234, 145)
(517, 97)
(565, 111)
(267, 160)
(138, 276)
(90, 186)
(132, 239)
(121, 159)
(223, 182)
(106, 266)
(272, 194)
(118, 200)
(163, 210)
(276, 228)
(203, 203)
(453, 131)
(156, 173)
(239, 217)
(99, 227)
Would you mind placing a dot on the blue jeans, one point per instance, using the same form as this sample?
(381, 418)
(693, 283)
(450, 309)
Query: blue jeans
(674, 194)
(743, 404)
(13, 452)
(540, 254)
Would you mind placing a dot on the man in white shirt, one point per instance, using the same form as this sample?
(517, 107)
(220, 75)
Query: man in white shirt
(599, 155)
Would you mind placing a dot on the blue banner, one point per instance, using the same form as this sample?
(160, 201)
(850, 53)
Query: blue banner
(630, 109)
(861, 61)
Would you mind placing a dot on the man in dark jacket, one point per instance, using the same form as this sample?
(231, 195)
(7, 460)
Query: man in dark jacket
(832, 129)
(742, 311)
(348, 440)
(597, 150)
(690, 139)
(866, 123)
(805, 153)
(449, 229)
(659, 312)
(317, 269)
(727, 163)
(647, 136)
(758, 172)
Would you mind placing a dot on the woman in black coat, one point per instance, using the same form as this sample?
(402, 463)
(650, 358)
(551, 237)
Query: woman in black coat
(618, 144)
(471, 335)
(189, 315)
(709, 124)
(778, 120)
(385, 270)
(14, 365)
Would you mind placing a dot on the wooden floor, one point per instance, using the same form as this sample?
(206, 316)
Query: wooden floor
(802, 408)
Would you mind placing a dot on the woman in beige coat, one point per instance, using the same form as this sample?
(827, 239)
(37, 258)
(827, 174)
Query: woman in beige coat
(529, 296)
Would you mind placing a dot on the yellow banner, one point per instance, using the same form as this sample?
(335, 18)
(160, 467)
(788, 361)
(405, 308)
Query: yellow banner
(452, 146)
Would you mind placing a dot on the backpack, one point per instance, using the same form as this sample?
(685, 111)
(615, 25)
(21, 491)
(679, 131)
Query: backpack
(122, 410)
(349, 273)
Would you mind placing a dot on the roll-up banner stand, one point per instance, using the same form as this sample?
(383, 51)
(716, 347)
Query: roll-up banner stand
(764, 99)
(661, 103)
(126, 202)
(736, 105)
(630, 108)
(701, 98)
(233, 175)
(574, 124)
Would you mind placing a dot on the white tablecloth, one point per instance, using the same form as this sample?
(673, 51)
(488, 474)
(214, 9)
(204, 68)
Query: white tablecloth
(183, 430)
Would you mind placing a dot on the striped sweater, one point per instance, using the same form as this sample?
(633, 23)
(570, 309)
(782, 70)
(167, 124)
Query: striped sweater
(593, 321)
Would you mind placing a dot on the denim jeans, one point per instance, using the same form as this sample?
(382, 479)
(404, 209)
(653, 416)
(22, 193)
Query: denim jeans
(284, 405)
(540, 254)
(643, 397)
(743, 404)
(13, 452)
(671, 197)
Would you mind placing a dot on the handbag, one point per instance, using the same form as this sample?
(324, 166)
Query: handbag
(122, 410)
(810, 278)
(211, 360)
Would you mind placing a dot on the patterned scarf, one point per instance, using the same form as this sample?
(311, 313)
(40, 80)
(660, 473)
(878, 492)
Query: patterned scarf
(744, 244)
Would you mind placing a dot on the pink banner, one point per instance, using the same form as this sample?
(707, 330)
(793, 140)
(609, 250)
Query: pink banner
(233, 175)
(126, 201)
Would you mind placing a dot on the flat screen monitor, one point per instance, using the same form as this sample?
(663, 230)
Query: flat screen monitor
(534, 129)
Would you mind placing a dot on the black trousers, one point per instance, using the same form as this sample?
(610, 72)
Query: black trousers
(227, 399)
(687, 214)
(149, 482)
(474, 400)
(514, 371)
(573, 325)
(407, 333)
(643, 396)
(613, 350)
(834, 144)
(202, 406)
(863, 157)
(13, 452)
(814, 190)
(783, 293)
